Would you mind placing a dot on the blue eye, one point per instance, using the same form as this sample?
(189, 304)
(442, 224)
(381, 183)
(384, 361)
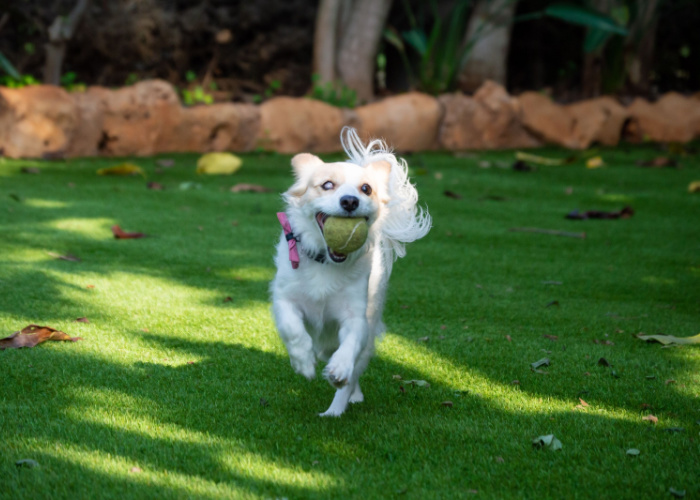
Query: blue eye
(327, 185)
(367, 189)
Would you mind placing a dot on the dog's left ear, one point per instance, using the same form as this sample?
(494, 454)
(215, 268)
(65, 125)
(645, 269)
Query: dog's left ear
(303, 162)
(382, 172)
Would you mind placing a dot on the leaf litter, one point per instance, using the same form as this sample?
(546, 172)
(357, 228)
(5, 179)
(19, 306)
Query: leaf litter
(33, 335)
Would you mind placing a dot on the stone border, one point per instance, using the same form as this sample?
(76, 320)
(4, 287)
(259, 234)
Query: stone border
(147, 118)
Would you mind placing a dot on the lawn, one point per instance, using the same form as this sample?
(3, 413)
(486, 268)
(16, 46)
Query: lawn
(182, 389)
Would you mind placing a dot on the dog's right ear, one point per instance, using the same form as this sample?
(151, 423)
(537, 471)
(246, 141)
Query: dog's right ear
(303, 164)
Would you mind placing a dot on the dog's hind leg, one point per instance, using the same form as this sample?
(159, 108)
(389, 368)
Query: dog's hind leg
(290, 324)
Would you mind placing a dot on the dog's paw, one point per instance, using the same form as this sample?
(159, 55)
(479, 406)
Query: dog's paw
(357, 396)
(338, 372)
(330, 412)
(305, 366)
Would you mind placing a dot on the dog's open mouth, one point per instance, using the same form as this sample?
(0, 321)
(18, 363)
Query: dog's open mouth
(335, 257)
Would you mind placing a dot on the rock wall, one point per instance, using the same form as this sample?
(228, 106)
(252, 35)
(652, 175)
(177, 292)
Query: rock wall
(147, 118)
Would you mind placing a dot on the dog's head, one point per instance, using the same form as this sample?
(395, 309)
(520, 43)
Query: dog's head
(334, 189)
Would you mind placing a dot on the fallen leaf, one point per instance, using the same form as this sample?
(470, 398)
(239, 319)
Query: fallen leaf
(473, 492)
(542, 362)
(250, 188)
(508, 338)
(418, 383)
(453, 195)
(595, 162)
(670, 339)
(547, 231)
(31, 170)
(90, 286)
(190, 362)
(553, 338)
(645, 406)
(81, 320)
(603, 362)
(68, 257)
(624, 213)
(165, 163)
(447, 403)
(423, 339)
(651, 418)
(583, 403)
(122, 169)
(676, 493)
(542, 160)
(694, 187)
(552, 303)
(548, 441)
(670, 381)
(633, 452)
(155, 186)
(500, 460)
(33, 335)
(521, 166)
(658, 162)
(27, 462)
(224, 36)
(218, 164)
(515, 382)
(123, 235)
(135, 470)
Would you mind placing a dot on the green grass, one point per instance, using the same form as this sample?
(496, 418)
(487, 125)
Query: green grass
(170, 377)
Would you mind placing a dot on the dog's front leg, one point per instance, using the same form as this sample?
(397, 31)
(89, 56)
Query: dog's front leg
(353, 336)
(290, 324)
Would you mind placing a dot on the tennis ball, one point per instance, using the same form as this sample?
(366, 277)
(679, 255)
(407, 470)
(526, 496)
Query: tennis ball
(345, 234)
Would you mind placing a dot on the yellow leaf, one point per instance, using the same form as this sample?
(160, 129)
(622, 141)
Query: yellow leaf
(218, 164)
(595, 162)
(540, 160)
(122, 169)
(694, 187)
(670, 339)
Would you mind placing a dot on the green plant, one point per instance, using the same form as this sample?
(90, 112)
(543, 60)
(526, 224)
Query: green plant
(439, 47)
(270, 91)
(17, 83)
(70, 83)
(335, 94)
(131, 79)
(196, 93)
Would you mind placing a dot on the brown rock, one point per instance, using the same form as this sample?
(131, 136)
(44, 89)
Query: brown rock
(407, 122)
(36, 120)
(291, 125)
(488, 120)
(135, 118)
(547, 119)
(216, 127)
(673, 118)
(598, 120)
(86, 137)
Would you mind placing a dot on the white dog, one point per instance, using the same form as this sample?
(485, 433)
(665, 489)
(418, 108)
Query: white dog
(328, 305)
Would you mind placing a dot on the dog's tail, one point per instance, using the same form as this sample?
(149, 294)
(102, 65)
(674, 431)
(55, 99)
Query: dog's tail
(405, 221)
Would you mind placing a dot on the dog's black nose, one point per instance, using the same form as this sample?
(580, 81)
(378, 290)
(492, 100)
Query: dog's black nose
(349, 203)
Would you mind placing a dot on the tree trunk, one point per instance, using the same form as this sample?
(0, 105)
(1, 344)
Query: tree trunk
(593, 62)
(358, 48)
(489, 33)
(639, 47)
(325, 39)
(60, 32)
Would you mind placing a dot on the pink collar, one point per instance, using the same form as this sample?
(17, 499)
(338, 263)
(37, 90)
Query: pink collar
(291, 239)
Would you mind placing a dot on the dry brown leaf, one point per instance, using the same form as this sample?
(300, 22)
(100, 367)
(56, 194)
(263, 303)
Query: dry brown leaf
(120, 234)
(553, 338)
(81, 320)
(583, 403)
(447, 403)
(250, 188)
(670, 381)
(651, 418)
(508, 338)
(33, 335)
(68, 257)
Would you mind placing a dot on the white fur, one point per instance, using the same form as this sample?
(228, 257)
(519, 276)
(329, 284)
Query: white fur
(333, 311)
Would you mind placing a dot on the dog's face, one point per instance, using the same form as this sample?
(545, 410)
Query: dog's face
(334, 189)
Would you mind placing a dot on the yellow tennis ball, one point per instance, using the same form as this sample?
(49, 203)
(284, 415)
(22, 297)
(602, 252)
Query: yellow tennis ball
(345, 234)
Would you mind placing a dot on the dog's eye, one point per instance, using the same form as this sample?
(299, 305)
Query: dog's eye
(367, 189)
(328, 185)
